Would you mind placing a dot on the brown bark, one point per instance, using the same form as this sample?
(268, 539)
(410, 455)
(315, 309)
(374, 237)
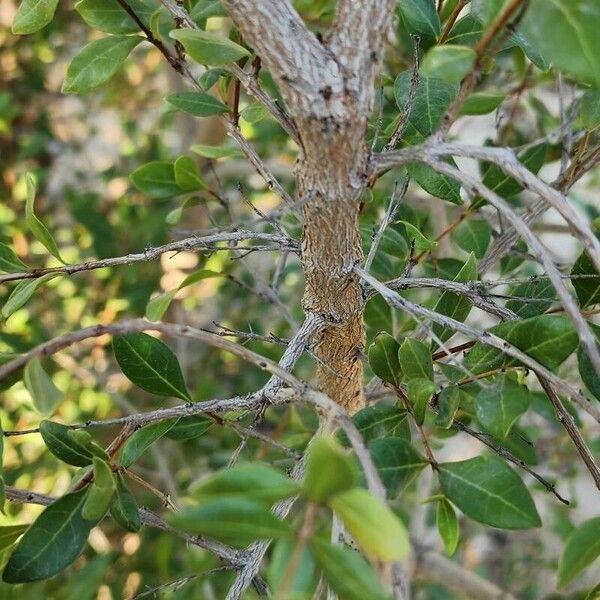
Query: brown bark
(328, 88)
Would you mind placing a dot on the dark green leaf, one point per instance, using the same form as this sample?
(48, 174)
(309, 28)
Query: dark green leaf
(187, 174)
(22, 292)
(97, 62)
(420, 17)
(142, 439)
(252, 481)
(432, 100)
(473, 235)
(500, 405)
(373, 526)
(397, 462)
(487, 490)
(54, 540)
(303, 581)
(209, 48)
(453, 305)
(436, 184)
(189, 428)
(9, 534)
(449, 402)
(537, 295)
(587, 288)
(32, 15)
(150, 364)
(415, 360)
(382, 420)
(549, 339)
(581, 549)
(419, 392)
(588, 373)
(447, 525)
(383, 359)
(197, 104)
(65, 444)
(235, 521)
(123, 508)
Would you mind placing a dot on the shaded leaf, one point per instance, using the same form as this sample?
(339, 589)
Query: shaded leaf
(123, 507)
(481, 103)
(448, 62)
(142, 439)
(415, 360)
(187, 174)
(447, 525)
(487, 490)
(209, 48)
(383, 358)
(473, 235)
(9, 261)
(100, 492)
(586, 288)
(581, 549)
(419, 392)
(420, 16)
(65, 444)
(22, 292)
(150, 364)
(156, 179)
(44, 393)
(197, 104)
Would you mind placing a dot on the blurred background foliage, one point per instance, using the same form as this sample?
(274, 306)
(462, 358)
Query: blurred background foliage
(82, 149)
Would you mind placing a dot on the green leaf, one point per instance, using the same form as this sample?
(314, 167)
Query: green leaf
(197, 103)
(589, 109)
(436, 184)
(22, 292)
(206, 9)
(502, 184)
(329, 470)
(150, 364)
(432, 99)
(419, 392)
(65, 444)
(234, 521)
(100, 492)
(123, 507)
(466, 31)
(473, 235)
(158, 305)
(447, 525)
(9, 261)
(383, 358)
(54, 540)
(414, 234)
(565, 32)
(499, 406)
(156, 179)
(421, 17)
(538, 295)
(374, 527)
(397, 462)
(9, 534)
(142, 439)
(487, 490)
(382, 420)
(189, 428)
(215, 152)
(549, 339)
(187, 174)
(415, 360)
(35, 225)
(586, 288)
(454, 305)
(448, 62)
(97, 62)
(581, 549)
(209, 48)
(481, 103)
(448, 401)
(347, 572)
(588, 373)
(32, 15)
(252, 481)
(44, 393)
(108, 15)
